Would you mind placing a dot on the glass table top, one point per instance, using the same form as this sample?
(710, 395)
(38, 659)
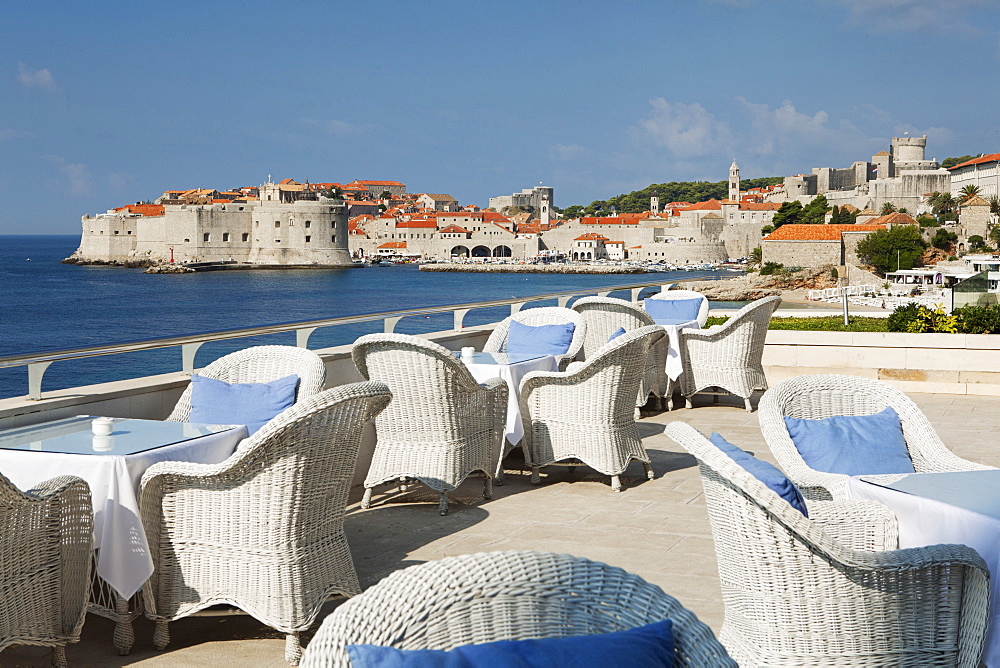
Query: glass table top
(499, 358)
(129, 436)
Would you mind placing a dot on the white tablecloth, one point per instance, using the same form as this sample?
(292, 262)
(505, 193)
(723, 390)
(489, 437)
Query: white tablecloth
(512, 375)
(924, 521)
(674, 365)
(123, 561)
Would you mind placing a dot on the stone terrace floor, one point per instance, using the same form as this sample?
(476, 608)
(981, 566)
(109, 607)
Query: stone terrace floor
(657, 529)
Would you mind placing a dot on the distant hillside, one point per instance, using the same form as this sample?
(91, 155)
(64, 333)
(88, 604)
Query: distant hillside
(675, 191)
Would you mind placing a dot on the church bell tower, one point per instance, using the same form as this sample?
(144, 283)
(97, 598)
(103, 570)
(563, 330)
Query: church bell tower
(734, 181)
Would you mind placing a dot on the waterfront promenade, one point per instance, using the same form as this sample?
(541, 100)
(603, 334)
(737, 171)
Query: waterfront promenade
(658, 529)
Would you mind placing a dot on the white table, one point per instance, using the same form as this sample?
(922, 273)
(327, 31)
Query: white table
(674, 365)
(510, 368)
(112, 466)
(962, 507)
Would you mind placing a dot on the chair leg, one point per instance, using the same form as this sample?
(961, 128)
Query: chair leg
(749, 407)
(649, 470)
(616, 484)
(638, 413)
(488, 488)
(366, 500)
(161, 635)
(536, 477)
(499, 478)
(59, 656)
(687, 402)
(293, 649)
(443, 504)
(123, 636)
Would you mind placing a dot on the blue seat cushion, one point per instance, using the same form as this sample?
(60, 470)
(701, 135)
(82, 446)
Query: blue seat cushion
(852, 444)
(615, 334)
(542, 340)
(681, 310)
(651, 645)
(253, 404)
(766, 472)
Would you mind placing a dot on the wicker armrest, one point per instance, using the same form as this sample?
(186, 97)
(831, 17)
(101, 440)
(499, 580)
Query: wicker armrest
(53, 487)
(860, 525)
(491, 384)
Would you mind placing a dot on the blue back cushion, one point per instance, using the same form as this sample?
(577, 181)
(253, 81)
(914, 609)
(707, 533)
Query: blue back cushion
(615, 334)
(852, 444)
(543, 340)
(253, 404)
(651, 645)
(766, 472)
(680, 310)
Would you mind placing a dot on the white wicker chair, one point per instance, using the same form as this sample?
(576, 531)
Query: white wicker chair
(686, 294)
(536, 317)
(441, 425)
(603, 316)
(727, 356)
(818, 592)
(821, 396)
(588, 411)
(479, 598)
(260, 364)
(46, 552)
(263, 530)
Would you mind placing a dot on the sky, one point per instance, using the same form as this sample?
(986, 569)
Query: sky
(108, 103)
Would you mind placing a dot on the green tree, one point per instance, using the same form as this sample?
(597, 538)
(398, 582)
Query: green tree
(756, 256)
(995, 235)
(944, 239)
(574, 211)
(887, 208)
(895, 247)
(942, 204)
(976, 242)
(385, 195)
(789, 213)
(814, 213)
(928, 221)
(994, 201)
(948, 163)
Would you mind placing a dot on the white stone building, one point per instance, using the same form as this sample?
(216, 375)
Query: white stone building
(983, 172)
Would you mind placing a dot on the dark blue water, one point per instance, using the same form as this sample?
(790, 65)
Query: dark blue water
(46, 305)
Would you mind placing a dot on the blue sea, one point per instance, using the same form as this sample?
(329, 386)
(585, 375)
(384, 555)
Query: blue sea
(47, 306)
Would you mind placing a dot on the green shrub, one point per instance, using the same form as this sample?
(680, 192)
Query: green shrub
(979, 319)
(919, 319)
(928, 221)
(772, 268)
(834, 274)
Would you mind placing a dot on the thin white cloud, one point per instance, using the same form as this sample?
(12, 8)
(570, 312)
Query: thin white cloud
(687, 130)
(40, 79)
(786, 132)
(333, 127)
(79, 181)
(918, 15)
(565, 152)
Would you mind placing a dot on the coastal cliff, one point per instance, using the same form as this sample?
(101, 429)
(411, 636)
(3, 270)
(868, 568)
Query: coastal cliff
(754, 286)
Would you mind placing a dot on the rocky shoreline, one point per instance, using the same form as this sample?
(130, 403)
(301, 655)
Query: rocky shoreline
(128, 264)
(754, 286)
(532, 268)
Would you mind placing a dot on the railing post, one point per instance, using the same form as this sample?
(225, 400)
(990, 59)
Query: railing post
(562, 301)
(390, 324)
(188, 351)
(302, 336)
(514, 308)
(635, 294)
(604, 294)
(36, 372)
(459, 318)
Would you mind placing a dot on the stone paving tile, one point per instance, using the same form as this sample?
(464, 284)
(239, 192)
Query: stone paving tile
(657, 529)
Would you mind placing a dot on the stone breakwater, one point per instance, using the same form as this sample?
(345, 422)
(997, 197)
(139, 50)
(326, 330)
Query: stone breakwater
(754, 286)
(532, 268)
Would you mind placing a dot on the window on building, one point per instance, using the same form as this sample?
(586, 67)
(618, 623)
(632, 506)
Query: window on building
(308, 238)
(246, 236)
(130, 231)
(277, 241)
(187, 241)
(333, 239)
(308, 224)
(206, 237)
(116, 231)
(257, 223)
(225, 236)
(277, 224)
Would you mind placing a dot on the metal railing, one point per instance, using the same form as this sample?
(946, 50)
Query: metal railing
(189, 344)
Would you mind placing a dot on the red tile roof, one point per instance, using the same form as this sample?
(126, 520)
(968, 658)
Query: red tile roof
(144, 209)
(992, 157)
(378, 183)
(710, 205)
(453, 229)
(591, 236)
(624, 219)
(393, 244)
(764, 206)
(418, 223)
(895, 218)
(797, 232)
